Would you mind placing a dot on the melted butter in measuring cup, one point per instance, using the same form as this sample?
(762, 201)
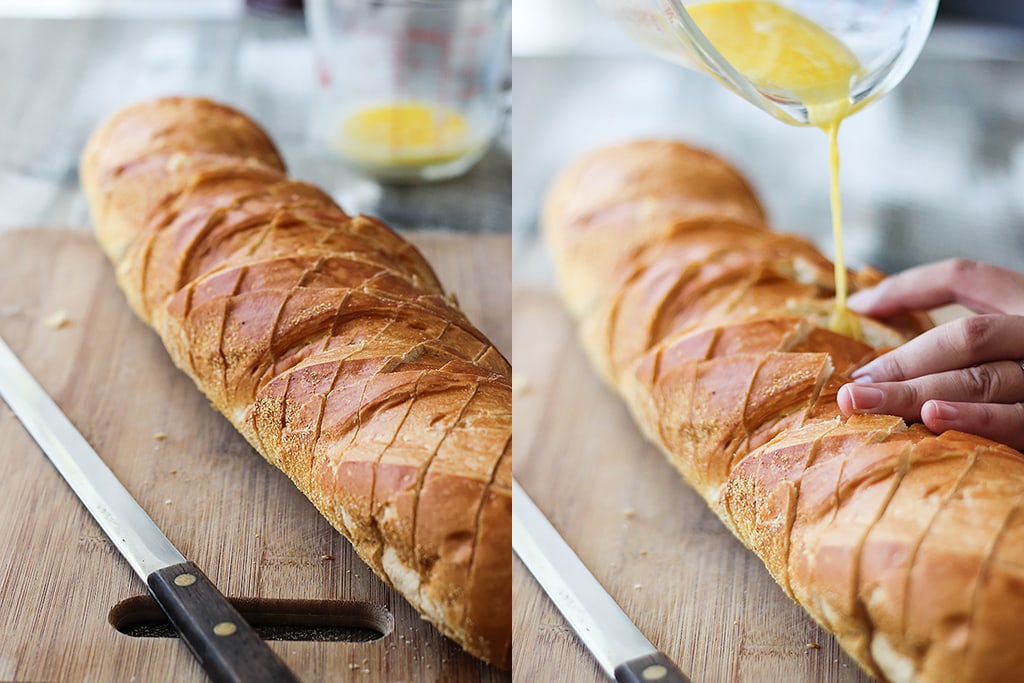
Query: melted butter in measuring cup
(781, 51)
(404, 134)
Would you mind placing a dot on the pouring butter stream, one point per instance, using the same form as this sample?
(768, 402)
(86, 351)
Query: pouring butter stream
(781, 51)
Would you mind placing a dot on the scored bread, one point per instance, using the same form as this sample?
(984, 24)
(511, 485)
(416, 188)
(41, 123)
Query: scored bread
(908, 546)
(327, 340)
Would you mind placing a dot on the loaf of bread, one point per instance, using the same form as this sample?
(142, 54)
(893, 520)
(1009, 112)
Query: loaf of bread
(908, 546)
(328, 342)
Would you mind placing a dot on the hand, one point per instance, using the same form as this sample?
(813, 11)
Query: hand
(966, 374)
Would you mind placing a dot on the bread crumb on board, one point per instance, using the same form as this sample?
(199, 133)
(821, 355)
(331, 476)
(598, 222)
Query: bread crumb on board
(160, 436)
(629, 513)
(813, 646)
(57, 319)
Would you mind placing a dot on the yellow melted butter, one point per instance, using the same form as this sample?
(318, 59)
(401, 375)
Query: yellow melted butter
(404, 134)
(783, 52)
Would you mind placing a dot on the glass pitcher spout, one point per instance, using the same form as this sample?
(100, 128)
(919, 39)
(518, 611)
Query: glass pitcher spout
(803, 62)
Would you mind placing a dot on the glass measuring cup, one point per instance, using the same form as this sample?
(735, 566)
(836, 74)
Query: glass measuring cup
(885, 36)
(410, 90)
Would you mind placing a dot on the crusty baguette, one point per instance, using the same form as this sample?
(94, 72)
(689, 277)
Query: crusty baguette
(328, 342)
(908, 546)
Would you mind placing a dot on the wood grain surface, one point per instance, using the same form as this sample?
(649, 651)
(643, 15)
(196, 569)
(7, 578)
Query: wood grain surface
(673, 567)
(225, 508)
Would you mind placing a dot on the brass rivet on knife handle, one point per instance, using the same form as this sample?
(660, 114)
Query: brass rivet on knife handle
(228, 647)
(653, 667)
(225, 628)
(655, 672)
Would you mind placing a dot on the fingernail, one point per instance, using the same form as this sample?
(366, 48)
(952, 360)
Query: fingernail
(865, 398)
(862, 374)
(861, 300)
(946, 412)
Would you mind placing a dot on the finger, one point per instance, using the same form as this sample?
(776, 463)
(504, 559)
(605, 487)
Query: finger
(999, 382)
(957, 344)
(981, 287)
(1002, 422)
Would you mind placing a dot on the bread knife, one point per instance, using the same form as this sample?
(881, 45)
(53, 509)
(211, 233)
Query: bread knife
(226, 646)
(616, 643)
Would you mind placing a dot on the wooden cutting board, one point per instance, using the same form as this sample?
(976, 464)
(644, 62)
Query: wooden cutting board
(224, 507)
(672, 566)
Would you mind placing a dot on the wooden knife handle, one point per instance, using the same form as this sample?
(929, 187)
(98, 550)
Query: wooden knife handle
(224, 643)
(656, 668)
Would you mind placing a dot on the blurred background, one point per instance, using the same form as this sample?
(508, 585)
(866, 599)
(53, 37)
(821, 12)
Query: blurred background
(67, 64)
(932, 170)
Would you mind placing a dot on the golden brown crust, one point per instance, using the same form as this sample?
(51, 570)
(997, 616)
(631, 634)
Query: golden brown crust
(329, 343)
(907, 545)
